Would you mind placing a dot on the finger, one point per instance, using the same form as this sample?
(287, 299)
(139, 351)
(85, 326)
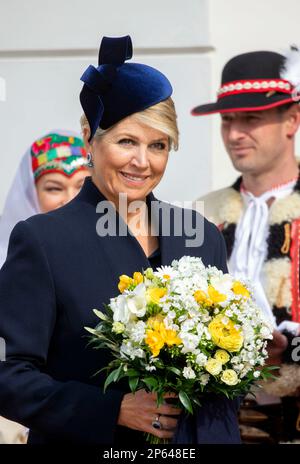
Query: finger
(168, 423)
(159, 433)
(170, 395)
(168, 410)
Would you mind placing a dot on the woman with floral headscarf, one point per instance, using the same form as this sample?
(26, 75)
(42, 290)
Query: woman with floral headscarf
(50, 174)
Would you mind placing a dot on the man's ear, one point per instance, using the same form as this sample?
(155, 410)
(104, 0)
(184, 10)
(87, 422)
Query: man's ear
(292, 120)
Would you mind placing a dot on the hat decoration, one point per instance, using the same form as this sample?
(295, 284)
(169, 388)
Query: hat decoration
(57, 153)
(115, 89)
(291, 70)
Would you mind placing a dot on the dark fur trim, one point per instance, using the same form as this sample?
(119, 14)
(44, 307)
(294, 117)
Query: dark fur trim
(276, 240)
(229, 235)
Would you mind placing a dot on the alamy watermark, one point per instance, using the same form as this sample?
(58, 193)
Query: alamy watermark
(139, 218)
(296, 351)
(2, 349)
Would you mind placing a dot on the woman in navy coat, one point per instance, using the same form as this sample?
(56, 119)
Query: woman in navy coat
(62, 264)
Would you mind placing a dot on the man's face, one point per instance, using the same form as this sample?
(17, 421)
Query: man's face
(255, 141)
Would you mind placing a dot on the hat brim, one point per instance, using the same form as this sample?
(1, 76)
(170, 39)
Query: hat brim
(243, 102)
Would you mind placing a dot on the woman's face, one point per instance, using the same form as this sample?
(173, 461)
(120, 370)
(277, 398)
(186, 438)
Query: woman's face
(130, 158)
(55, 190)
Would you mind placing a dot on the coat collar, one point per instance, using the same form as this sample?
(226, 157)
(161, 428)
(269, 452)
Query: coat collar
(171, 246)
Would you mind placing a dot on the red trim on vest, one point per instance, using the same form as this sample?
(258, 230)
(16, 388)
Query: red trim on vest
(295, 260)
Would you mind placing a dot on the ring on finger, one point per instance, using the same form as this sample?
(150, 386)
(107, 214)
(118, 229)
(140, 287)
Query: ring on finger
(156, 424)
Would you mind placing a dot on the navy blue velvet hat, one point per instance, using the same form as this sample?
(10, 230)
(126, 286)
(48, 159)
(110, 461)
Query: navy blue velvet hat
(115, 89)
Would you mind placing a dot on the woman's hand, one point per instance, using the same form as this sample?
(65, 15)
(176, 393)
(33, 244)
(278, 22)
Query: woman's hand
(138, 411)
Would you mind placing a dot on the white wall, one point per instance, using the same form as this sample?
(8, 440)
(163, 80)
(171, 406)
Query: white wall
(46, 45)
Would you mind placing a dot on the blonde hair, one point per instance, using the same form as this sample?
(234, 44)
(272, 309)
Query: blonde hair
(161, 116)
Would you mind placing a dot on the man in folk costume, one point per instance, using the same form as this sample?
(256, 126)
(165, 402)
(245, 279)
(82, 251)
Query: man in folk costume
(259, 215)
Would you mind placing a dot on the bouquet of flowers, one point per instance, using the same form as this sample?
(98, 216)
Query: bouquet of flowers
(186, 329)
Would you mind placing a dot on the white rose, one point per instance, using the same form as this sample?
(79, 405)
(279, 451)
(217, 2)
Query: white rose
(188, 373)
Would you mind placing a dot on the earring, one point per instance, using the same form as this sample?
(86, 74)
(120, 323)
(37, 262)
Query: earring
(89, 160)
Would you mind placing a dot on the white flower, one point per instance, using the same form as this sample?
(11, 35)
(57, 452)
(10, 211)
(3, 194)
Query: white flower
(190, 342)
(222, 283)
(150, 368)
(204, 378)
(137, 301)
(188, 373)
(201, 359)
(129, 350)
(256, 374)
(137, 332)
(166, 273)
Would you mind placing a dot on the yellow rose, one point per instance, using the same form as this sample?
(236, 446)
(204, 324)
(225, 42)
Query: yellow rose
(239, 289)
(138, 278)
(222, 356)
(155, 294)
(224, 334)
(215, 296)
(124, 282)
(229, 376)
(213, 366)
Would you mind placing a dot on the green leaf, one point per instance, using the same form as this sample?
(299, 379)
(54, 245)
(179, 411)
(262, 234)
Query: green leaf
(100, 314)
(132, 373)
(174, 370)
(110, 379)
(185, 401)
(133, 383)
(92, 331)
(151, 382)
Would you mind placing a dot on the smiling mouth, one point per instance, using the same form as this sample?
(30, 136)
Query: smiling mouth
(133, 178)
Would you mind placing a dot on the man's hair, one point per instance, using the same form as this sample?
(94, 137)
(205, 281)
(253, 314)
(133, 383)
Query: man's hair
(283, 108)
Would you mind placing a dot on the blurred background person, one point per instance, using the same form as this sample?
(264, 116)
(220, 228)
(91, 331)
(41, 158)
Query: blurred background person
(259, 215)
(50, 174)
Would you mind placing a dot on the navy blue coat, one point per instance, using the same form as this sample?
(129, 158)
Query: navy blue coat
(57, 270)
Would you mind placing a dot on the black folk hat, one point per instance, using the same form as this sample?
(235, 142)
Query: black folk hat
(252, 81)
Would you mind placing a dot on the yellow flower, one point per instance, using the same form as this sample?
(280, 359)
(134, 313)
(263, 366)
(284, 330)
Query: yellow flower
(213, 366)
(154, 294)
(154, 321)
(138, 278)
(200, 296)
(215, 296)
(229, 377)
(222, 356)
(239, 289)
(171, 337)
(158, 335)
(124, 282)
(224, 334)
(155, 341)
